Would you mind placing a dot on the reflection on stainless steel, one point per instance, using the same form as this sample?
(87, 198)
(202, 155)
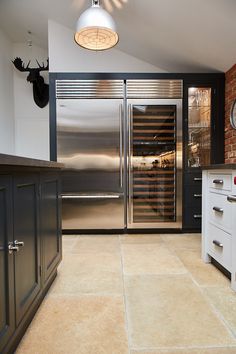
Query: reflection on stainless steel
(90, 142)
(103, 160)
(93, 213)
(129, 206)
(91, 161)
(121, 145)
(89, 89)
(86, 196)
(154, 89)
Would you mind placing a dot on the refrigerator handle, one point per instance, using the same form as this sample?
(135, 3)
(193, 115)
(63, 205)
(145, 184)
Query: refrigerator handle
(129, 163)
(74, 196)
(121, 144)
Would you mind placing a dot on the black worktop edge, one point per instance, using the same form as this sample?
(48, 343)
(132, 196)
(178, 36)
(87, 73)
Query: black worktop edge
(19, 161)
(222, 166)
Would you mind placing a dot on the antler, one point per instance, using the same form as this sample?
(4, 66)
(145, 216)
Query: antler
(42, 67)
(19, 64)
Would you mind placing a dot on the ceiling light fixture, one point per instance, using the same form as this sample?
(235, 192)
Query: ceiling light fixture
(96, 29)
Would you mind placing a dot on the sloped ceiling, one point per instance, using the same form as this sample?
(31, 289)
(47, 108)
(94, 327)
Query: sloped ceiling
(175, 35)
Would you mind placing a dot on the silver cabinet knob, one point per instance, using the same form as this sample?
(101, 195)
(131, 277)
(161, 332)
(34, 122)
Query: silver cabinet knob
(219, 210)
(231, 198)
(218, 243)
(218, 181)
(12, 248)
(19, 243)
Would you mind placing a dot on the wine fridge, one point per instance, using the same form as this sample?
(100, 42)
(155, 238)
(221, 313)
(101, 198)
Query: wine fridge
(154, 163)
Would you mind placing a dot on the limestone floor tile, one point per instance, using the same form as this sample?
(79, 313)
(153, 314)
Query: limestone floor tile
(89, 273)
(220, 350)
(150, 259)
(205, 274)
(141, 239)
(170, 311)
(68, 243)
(224, 300)
(189, 241)
(77, 325)
(97, 243)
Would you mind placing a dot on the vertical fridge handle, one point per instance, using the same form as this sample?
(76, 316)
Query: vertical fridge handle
(121, 144)
(129, 162)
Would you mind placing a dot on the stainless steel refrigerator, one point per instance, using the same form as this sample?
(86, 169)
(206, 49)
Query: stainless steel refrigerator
(90, 144)
(121, 143)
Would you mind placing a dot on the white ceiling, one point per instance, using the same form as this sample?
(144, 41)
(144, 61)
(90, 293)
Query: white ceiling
(175, 35)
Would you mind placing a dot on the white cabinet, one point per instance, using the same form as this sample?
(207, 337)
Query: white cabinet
(219, 218)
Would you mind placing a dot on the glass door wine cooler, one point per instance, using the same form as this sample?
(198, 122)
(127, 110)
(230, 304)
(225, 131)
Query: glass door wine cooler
(155, 163)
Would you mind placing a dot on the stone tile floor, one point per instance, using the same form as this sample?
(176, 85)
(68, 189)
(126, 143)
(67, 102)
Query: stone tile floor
(134, 294)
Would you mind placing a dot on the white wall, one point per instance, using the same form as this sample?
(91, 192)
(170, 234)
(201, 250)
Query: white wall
(66, 56)
(31, 122)
(7, 130)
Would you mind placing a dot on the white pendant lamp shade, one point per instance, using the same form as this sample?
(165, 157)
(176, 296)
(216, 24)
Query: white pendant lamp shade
(96, 29)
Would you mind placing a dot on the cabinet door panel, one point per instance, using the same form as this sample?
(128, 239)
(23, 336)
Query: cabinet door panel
(50, 223)
(7, 323)
(27, 275)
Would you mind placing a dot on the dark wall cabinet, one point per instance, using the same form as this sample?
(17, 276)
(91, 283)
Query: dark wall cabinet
(203, 140)
(30, 248)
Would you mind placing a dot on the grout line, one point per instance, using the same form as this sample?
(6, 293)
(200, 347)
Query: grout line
(201, 289)
(219, 314)
(155, 274)
(212, 306)
(169, 350)
(124, 299)
(84, 295)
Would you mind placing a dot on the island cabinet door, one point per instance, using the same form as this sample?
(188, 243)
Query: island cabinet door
(26, 237)
(50, 223)
(7, 321)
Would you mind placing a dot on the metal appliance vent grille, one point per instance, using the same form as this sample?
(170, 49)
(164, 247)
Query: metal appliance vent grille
(154, 88)
(89, 89)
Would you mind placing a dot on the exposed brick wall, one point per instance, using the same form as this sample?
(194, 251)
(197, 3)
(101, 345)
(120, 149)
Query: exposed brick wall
(230, 133)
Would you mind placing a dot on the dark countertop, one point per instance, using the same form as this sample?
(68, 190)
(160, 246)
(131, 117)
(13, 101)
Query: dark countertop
(18, 161)
(220, 166)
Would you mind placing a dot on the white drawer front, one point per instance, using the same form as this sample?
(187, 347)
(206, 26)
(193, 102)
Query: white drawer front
(219, 210)
(219, 246)
(220, 182)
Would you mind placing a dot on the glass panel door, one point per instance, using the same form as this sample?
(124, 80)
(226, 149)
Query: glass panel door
(153, 141)
(199, 126)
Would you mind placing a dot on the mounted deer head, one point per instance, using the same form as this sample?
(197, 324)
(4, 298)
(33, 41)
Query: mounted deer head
(40, 89)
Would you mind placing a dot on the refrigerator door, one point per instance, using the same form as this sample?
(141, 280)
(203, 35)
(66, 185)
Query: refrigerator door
(90, 144)
(155, 163)
(92, 211)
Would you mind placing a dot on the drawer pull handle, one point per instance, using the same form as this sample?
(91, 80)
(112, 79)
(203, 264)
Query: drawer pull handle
(12, 248)
(197, 216)
(197, 195)
(105, 196)
(217, 243)
(231, 198)
(197, 179)
(219, 210)
(19, 243)
(218, 181)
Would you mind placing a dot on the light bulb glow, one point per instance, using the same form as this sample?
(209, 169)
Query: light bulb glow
(96, 29)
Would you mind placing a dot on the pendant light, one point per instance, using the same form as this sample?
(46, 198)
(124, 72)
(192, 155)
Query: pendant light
(96, 29)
